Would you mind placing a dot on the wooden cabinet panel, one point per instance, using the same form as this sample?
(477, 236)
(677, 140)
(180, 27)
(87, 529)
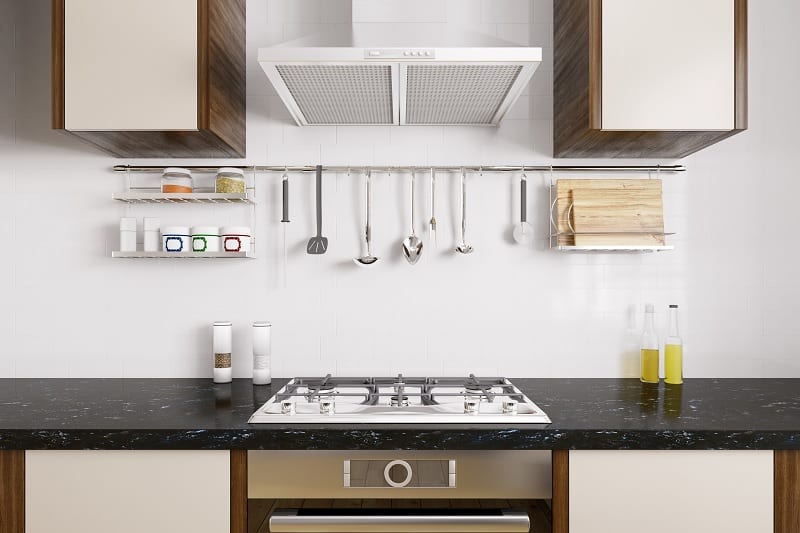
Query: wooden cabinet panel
(629, 491)
(12, 491)
(127, 491)
(667, 65)
(787, 491)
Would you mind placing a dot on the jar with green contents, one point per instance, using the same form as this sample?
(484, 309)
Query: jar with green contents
(230, 180)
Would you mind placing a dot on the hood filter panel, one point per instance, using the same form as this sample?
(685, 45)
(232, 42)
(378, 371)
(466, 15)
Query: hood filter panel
(457, 94)
(341, 94)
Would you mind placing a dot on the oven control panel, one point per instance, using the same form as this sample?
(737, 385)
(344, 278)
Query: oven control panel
(399, 473)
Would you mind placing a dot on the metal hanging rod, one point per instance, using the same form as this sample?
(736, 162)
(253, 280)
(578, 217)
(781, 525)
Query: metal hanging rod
(471, 168)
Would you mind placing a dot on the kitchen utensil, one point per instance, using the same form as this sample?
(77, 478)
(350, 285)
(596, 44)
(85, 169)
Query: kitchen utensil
(318, 244)
(412, 245)
(523, 231)
(564, 208)
(368, 259)
(285, 218)
(464, 248)
(432, 223)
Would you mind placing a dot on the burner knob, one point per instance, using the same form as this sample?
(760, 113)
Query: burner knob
(472, 405)
(287, 407)
(327, 406)
(397, 467)
(510, 407)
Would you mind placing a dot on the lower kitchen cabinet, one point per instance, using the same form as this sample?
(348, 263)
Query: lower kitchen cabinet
(125, 491)
(630, 491)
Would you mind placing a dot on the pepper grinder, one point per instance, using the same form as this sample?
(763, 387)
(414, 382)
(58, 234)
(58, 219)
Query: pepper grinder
(222, 345)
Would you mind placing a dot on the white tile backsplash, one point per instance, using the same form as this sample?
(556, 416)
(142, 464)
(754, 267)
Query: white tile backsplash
(68, 309)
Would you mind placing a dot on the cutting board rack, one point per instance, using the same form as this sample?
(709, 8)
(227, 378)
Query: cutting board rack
(607, 215)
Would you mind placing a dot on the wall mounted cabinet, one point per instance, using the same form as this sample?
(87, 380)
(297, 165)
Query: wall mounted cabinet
(151, 78)
(648, 78)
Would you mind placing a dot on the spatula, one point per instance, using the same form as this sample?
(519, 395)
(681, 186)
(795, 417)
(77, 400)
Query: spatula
(318, 244)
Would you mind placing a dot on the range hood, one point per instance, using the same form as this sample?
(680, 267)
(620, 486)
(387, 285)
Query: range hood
(366, 75)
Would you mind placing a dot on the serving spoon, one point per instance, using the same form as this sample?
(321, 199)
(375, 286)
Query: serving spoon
(412, 245)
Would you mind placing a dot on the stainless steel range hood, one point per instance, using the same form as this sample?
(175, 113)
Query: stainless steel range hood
(418, 77)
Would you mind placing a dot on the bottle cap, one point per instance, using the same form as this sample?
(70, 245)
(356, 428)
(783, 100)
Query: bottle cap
(673, 306)
(648, 308)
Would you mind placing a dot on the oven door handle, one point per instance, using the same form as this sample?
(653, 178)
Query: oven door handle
(384, 521)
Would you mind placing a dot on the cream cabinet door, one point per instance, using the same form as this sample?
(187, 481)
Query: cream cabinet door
(631, 491)
(667, 65)
(130, 65)
(123, 491)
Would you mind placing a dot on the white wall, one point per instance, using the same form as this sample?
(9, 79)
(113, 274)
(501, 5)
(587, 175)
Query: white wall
(68, 309)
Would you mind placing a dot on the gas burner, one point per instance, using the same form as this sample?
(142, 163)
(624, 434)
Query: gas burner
(394, 402)
(475, 387)
(399, 399)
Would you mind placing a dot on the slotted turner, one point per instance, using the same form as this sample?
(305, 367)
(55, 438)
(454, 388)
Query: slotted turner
(318, 244)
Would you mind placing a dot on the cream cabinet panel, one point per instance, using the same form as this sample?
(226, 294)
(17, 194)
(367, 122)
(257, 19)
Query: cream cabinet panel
(124, 491)
(631, 491)
(130, 65)
(668, 65)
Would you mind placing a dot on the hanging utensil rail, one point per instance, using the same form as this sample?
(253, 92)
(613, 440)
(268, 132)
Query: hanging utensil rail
(435, 168)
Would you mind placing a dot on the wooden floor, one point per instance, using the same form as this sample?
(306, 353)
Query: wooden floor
(258, 511)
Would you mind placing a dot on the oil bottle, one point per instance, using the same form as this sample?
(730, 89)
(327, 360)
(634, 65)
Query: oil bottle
(673, 350)
(649, 361)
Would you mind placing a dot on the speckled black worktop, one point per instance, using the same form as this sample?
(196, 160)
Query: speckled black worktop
(586, 413)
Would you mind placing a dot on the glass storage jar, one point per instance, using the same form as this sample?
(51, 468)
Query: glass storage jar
(230, 180)
(176, 180)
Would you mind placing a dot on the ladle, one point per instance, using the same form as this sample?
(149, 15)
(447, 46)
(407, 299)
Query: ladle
(368, 259)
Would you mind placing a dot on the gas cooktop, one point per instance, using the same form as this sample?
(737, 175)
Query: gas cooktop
(399, 399)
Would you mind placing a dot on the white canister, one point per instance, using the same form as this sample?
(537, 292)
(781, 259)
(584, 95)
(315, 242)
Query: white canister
(152, 243)
(222, 346)
(205, 239)
(262, 352)
(127, 234)
(235, 238)
(176, 239)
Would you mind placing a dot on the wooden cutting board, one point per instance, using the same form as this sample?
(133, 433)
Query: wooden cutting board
(608, 208)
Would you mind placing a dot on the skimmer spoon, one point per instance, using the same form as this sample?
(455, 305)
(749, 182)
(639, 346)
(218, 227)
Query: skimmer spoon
(464, 248)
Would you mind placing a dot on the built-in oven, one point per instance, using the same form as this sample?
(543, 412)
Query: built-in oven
(399, 491)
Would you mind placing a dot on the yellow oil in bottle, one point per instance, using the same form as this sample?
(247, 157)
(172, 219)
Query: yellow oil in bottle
(673, 364)
(649, 366)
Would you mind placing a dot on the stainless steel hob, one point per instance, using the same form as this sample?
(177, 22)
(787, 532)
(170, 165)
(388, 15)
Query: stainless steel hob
(401, 400)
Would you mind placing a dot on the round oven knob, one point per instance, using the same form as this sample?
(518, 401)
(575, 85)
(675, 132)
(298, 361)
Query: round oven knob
(397, 473)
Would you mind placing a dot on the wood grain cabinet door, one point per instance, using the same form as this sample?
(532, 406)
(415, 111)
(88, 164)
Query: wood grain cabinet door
(632, 491)
(130, 65)
(126, 491)
(668, 65)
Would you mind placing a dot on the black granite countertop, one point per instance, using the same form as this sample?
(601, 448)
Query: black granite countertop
(586, 414)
